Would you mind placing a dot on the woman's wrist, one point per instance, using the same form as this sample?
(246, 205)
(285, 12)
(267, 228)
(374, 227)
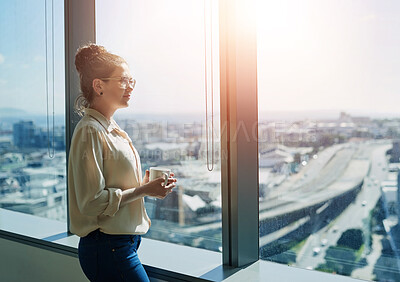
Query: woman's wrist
(133, 194)
(142, 190)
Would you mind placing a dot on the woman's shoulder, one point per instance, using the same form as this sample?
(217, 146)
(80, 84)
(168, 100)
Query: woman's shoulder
(87, 122)
(88, 126)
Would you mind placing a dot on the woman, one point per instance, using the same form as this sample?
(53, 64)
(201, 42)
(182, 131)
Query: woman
(106, 188)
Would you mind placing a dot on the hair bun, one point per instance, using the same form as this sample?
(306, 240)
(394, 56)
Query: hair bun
(85, 55)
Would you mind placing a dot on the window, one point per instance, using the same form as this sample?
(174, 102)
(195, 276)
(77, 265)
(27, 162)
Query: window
(164, 44)
(32, 119)
(170, 74)
(328, 125)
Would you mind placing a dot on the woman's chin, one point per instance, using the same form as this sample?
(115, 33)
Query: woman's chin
(124, 104)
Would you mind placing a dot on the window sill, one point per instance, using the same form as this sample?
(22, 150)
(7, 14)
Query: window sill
(162, 260)
(30, 226)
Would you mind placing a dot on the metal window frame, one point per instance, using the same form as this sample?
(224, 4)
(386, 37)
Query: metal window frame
(239, 117)
(239, 132)
(80, 29)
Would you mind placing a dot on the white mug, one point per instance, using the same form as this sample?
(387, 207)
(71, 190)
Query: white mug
(156, 172)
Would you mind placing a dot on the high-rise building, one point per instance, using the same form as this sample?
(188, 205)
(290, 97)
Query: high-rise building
(395, 158)
(24, 134)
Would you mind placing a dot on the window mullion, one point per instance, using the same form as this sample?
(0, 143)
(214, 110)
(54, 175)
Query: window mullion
(239, 132)
(79, 30)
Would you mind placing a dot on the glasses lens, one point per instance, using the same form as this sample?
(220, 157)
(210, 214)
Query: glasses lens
(126, 81)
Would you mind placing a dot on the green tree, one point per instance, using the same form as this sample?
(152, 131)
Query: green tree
(351, 238)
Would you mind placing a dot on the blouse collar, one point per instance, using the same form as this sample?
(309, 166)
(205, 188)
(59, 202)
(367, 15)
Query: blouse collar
(109, 125)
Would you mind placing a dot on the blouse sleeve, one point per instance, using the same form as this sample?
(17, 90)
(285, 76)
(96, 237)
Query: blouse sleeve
(92, 196)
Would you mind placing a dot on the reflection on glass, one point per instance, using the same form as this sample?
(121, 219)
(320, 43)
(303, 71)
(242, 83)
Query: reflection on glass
(329, 155)
(163, 43)
(32, 178)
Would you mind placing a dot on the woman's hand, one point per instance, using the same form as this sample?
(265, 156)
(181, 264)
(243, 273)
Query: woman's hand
(146, 177)
(153, 188)
(156, 187)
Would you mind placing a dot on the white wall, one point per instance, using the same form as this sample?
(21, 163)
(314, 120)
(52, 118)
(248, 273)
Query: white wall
(20, 262)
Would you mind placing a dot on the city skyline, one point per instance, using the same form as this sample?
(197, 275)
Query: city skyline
(323, 114)
(321, 177)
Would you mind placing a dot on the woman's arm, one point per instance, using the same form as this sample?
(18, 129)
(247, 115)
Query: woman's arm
(86, 175)
(152, 189)
(93, 198)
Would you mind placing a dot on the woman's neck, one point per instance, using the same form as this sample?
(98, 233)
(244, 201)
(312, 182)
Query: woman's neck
(106, 111)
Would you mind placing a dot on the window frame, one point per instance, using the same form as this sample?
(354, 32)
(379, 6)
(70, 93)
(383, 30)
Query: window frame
(239, 133)
(80, 28)
(239, 148)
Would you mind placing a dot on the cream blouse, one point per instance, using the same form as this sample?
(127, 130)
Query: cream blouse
(102, 163)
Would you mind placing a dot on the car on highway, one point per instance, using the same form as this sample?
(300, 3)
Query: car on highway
(316, 251)
(335, 229)
(324, 242)
(364, 203)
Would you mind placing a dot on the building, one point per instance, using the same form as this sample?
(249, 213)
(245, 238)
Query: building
(24, 134)
(396, 151)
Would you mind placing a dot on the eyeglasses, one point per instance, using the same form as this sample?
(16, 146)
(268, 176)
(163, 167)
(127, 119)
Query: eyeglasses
(125, 81)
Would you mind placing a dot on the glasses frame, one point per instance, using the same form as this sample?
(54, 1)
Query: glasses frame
(121, 79)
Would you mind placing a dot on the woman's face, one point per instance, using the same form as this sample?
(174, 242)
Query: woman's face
(115, 93)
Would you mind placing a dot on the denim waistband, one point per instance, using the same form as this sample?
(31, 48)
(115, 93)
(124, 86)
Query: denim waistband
(98, 234)
(93, 234)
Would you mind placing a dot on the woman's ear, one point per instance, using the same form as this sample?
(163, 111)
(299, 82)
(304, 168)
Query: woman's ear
(97, 85)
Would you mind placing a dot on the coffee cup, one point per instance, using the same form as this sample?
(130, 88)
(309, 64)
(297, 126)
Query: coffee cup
(156, 172)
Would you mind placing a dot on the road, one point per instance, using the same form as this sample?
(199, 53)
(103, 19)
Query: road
(343, 172)
(354, 216)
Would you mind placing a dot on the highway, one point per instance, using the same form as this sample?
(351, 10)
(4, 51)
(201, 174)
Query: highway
(354, 216)
(341, 173)
(335, 172)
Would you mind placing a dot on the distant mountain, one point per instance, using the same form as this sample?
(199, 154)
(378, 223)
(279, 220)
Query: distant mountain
(11, 115)
(171, 117)
(299, 115)
(11, 112)
(322, 114)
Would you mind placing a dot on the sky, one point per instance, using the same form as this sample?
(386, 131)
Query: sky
(23, 56)
(163, 42)
(329, 55)
(313, 55)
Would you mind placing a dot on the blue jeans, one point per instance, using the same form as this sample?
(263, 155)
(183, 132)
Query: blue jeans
(105, 257)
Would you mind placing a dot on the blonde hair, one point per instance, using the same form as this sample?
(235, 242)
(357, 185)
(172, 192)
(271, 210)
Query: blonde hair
(92, 61)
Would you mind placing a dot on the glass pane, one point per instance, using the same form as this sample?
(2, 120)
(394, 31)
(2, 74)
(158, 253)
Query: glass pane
(328, 75)
(164, 44)
(32, 142)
